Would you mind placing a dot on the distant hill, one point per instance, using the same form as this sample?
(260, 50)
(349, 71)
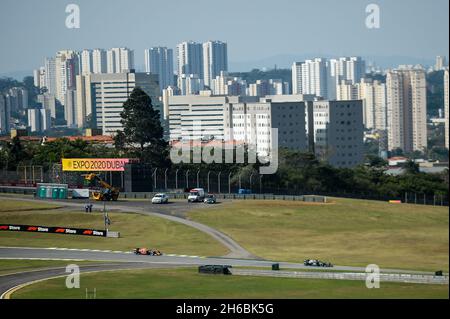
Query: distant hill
(17, 75)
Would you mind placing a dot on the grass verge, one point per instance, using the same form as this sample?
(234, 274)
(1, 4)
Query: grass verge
(188, 284)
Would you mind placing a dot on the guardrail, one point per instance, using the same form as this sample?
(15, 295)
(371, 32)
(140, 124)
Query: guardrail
(407, 278)
(301, 198)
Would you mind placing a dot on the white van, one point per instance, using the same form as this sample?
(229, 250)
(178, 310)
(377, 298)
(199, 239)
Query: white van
(196, 195)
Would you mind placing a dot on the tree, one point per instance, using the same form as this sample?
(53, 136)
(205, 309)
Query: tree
(141, 122)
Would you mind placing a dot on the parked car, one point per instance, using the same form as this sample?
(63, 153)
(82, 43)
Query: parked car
(210, 199)
(160, 199)
(196, 195)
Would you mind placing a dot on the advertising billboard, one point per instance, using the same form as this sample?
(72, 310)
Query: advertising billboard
(94, 164)
(53, 230)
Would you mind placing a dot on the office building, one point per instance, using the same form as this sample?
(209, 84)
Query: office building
(100, 98)
(246, 120)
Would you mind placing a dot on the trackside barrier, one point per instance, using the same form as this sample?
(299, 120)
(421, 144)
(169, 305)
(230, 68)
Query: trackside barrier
(301, 198)
(407, 278)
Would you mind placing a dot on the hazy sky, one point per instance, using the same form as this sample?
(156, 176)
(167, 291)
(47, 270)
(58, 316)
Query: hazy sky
(30, 30)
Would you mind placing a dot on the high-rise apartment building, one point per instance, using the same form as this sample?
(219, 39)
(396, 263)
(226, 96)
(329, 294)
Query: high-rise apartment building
(159, 61)
(224, 84)
(70, 114)
(5, 115)
(39, 77)
(99, 61)
(407, 109)
(67, 64)
(190, 59)
(215, 60)
(446, 106)
(86, 62)
(440, 63)
(39, 120)
(48, 102)
(50, 75)
(190, 84)
(338, 132)
(373, 95)
(119, 60)
(310, 77)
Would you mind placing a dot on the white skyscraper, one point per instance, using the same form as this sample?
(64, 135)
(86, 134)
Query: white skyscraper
(407, 108)
(446, 104)
(98, 61)
(119, 60)
(215, 60)
(50, 75)
(67, 65)
(190, 58)
(159, 60)
(86, 62)
(39, 77)
(440, 63)
(310, 77)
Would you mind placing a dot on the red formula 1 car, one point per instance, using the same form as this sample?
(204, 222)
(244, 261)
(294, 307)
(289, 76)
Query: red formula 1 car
(146, 251)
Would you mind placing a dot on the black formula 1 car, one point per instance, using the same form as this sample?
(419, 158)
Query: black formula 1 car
(146, 251)
(316, 263)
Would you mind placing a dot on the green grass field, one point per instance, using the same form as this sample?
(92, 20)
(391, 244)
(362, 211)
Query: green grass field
(15, 205)
(188, 284)
(344, 232)
(136, 231)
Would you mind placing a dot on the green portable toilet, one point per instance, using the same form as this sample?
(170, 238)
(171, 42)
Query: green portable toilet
(54, 192)
(62, 193)
(42, 191)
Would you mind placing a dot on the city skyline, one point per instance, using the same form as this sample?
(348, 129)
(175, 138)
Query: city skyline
(247, 48)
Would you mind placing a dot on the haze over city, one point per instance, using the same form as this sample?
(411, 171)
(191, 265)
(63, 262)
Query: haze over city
(259, 33)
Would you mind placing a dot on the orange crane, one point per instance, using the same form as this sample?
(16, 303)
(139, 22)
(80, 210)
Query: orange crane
(107, 193)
